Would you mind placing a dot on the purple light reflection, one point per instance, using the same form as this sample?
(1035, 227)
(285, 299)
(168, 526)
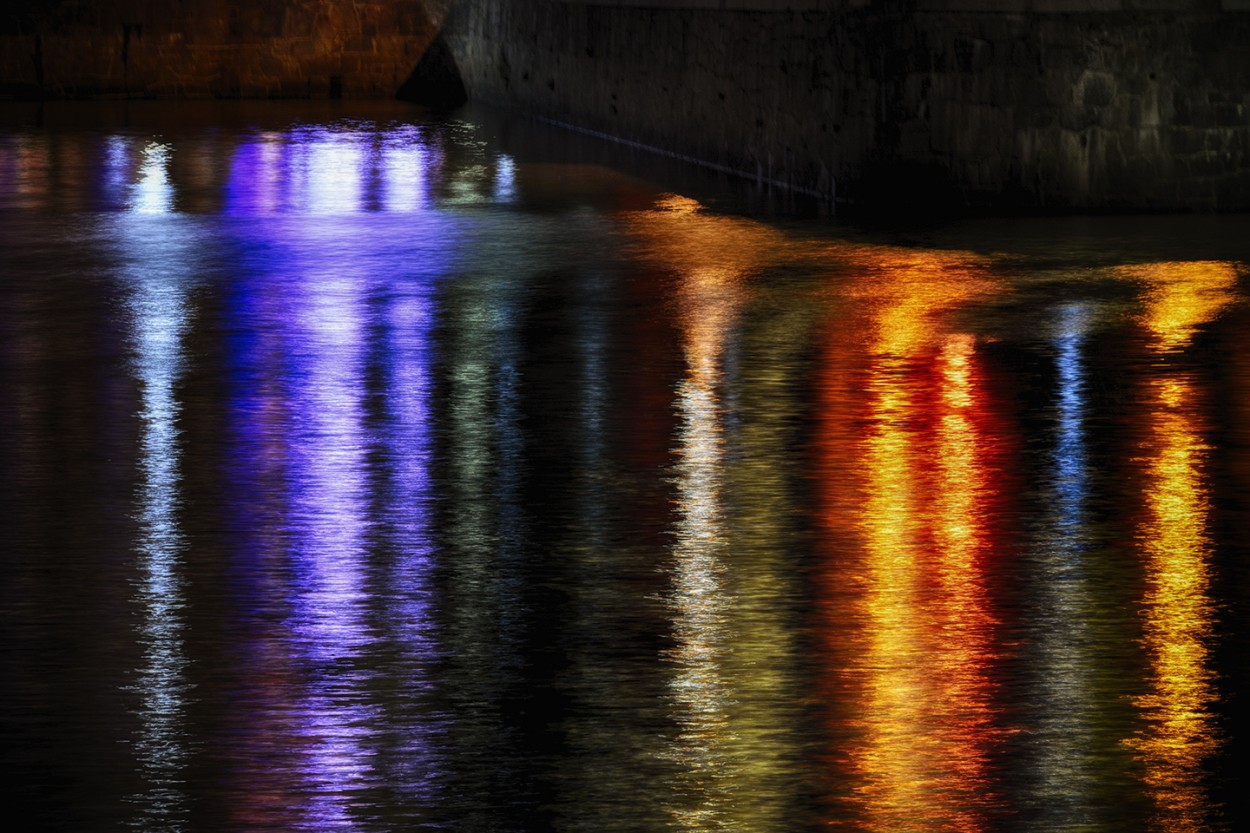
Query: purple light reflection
(340, 302)
(257, 177)
(416, 771)
(327, 528)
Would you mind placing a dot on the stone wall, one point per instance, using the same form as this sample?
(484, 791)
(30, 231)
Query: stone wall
(1033, 104)
(1036, 104)
(203, 48)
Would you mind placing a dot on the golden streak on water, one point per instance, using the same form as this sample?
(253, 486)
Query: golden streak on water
(1181, 296)
(1179, 733)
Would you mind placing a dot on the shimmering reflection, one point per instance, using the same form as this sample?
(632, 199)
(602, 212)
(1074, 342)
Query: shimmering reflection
(454, 495)
(256, 182)
(1075, 702)
(914, 625)
(159, 255)
(153, 194)
(965, 557)
(699, 597)
(1071, 461)
(486, 530)
(505, 179)
(709, 300)
(1180, 297)
(328, 494)
(736, 651)
(405, 163)
(412, 766)
(1179, 734)
(351, 549)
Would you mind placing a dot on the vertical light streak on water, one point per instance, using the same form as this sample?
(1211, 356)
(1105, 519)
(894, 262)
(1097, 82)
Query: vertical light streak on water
(729, 703)
(326, 172)
(152, 194)
(262, 746)
(158, 256)
(762, 667)
(328, 527)
(918, 633)
(254, 186)
(505, 179)
(405, 162)
(1071, 758)
(484, 604)
(1070, 461)
(965, 646)
(710, 303)
(1179, 732)
(413, 768)
(893, 762)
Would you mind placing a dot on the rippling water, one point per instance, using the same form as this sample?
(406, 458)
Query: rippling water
(371, 471)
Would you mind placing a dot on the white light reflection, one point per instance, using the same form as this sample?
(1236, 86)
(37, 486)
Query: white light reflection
(157, 252)
(404, 161)
(699, 690)
(505, 179)
(1076, 739)
(153, 193)
(327, 172)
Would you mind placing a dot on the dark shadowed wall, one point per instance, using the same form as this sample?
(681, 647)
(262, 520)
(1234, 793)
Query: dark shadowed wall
(1036, 104)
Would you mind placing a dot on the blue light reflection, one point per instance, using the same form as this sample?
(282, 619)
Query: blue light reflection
(159, 253)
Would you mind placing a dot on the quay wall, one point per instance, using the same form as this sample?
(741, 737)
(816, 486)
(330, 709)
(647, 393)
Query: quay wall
(1051, 105)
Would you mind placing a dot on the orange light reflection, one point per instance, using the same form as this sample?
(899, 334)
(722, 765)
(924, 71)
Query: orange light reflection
(1179, 732)
(920, 723)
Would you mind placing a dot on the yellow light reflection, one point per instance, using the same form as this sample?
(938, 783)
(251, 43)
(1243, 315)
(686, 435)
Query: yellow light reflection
(1178, 614)
(1179, 733)
(1182, 296)
(911, 290)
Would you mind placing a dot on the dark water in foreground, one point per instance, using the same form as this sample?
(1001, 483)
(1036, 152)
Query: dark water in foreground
(376, 474)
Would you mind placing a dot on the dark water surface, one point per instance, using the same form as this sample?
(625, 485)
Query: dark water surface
(369, 471)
